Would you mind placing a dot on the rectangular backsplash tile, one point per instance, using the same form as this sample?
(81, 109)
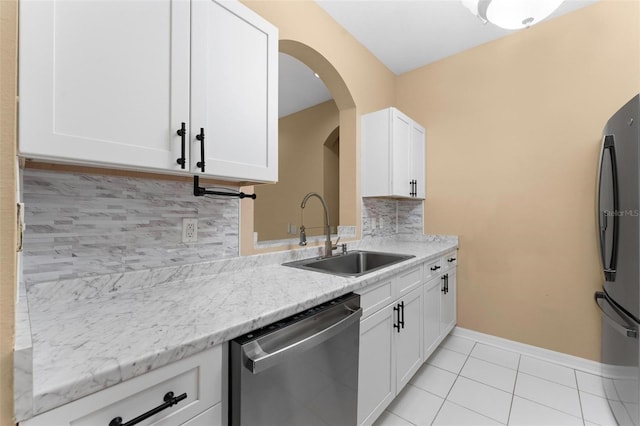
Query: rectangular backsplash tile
(398, 217)
(84, 224)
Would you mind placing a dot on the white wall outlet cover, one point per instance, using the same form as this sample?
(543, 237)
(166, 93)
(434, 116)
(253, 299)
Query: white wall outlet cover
(189, 230)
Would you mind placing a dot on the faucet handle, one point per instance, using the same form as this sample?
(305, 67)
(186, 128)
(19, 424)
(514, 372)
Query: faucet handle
(335, 246)
(303, 236)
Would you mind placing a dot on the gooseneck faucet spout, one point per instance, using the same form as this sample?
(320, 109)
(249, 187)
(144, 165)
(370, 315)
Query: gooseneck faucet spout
(328, 246)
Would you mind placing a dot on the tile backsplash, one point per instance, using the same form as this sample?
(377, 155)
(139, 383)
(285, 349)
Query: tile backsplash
(84, 224)
(80, 225)
(384, 217)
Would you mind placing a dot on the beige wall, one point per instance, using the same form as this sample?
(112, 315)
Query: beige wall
(8, 89)
(358, 81)
(513, 137)
(301, 139)
(513, 130)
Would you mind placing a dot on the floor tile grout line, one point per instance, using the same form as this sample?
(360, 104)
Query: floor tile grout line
(486, 384)
(551, 381)
(446, 398)
(495, 363)
(476, 412)
(454, 382)
(513, 391)
(398, 415)
(550, 408)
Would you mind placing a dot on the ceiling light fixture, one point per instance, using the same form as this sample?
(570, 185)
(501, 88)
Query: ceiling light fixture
(512, 14)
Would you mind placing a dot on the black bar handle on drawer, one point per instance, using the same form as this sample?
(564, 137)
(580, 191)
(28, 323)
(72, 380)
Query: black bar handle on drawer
(200, 137)
(435, 268)
(402, 313)
(396, 309)
(169, 400)
(451, 259)
(183, 134)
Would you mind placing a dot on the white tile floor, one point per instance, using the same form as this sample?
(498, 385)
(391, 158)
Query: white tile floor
(470, 383)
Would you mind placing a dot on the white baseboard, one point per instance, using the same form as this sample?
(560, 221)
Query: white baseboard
(566, 360)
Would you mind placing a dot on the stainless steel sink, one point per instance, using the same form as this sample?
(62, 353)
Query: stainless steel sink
(352, 264)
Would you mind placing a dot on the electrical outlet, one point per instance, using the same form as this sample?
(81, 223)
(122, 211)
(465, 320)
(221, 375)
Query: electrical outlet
(189, 230)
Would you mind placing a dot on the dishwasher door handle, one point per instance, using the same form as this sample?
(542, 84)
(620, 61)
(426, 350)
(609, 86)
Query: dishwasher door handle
(270, 350)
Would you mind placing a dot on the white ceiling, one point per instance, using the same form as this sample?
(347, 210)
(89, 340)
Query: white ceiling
(402, 34)
(408, 34)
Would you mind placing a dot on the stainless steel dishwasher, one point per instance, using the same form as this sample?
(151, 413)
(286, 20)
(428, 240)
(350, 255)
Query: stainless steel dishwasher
(302, 370)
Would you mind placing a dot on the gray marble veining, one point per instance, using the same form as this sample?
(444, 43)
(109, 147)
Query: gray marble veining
(22, 358)
(92, 333)
(81, 225)
(383, 217)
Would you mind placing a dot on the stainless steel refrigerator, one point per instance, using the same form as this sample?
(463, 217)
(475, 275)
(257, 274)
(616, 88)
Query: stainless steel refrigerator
(619, 236)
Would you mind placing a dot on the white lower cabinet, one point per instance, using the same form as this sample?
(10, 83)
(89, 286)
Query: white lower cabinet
(409, 338)
(199, 378)
(432, 290)
(390, 342)
(405, 318)
(448, 302)
(211, 417)
(376, 375)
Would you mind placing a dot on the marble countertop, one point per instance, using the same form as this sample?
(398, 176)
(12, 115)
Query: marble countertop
(89, 334)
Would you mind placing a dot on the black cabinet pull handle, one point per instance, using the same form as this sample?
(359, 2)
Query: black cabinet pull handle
(402, 313)
(182, 133)
(446, 283)
(435, 268)
(413, 188)
(200, 137)
(169, 400)
(396, 324)
(451, 259)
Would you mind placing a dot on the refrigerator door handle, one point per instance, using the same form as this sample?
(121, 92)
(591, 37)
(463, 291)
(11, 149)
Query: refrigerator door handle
(622, 329)
(610, 265)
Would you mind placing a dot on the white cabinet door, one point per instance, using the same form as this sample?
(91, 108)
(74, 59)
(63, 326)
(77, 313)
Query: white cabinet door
(418, 160)
(431, 303)
(401, 173)
(409, 339)
(104, 82)
(234, 89)
(393, 155)
(448, 302)
(376, 367)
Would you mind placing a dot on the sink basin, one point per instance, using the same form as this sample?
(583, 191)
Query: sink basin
(352, 264)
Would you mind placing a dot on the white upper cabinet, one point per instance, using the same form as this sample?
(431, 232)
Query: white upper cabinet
(234, 82)
(393, 155)
(109, 83)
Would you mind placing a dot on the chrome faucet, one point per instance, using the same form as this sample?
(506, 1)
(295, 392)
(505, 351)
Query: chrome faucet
(328, 246)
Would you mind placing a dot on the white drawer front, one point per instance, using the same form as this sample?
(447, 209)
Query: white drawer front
(450, 260)
(375, 297)
(199, 376)
(407, 281)
(211, 417)
(432, 269)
